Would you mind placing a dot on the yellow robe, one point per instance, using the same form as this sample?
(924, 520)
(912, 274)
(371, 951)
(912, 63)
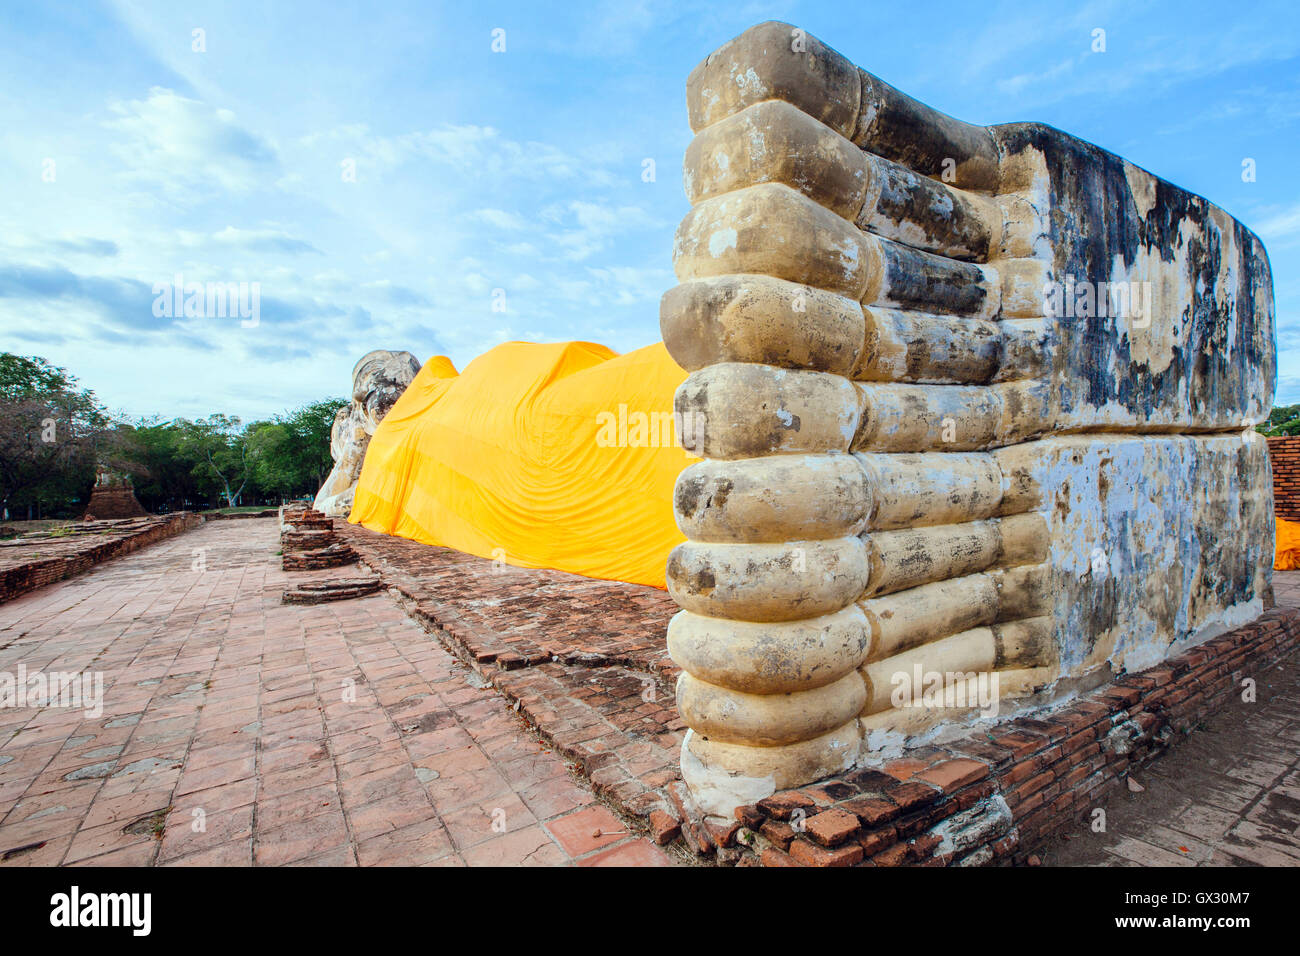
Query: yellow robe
(1287, 556)
(542, 456)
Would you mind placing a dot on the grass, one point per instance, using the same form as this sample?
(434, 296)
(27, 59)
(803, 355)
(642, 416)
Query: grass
(38, 524)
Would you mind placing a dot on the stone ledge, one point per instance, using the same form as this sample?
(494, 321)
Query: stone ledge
(338, 589)
(218, 515)
(85, 549)
(997, 795)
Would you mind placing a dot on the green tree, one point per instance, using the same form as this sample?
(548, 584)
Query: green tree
(220, 450)
(25, 376)
(270, 446)
(310, 427)
(291, 454)
(51, 432)
(1282, 420)
(163, 469)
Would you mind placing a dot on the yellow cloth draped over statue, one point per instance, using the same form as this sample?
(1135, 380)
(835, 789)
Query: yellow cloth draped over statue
(544, 456)
(1287, 552)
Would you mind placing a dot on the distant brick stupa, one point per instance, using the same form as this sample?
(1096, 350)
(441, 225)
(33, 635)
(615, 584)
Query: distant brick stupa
(112, 497)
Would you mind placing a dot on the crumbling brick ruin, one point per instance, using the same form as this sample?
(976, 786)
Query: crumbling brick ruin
(978, 403)
(38, 558)
(112, 497)
(308, 541)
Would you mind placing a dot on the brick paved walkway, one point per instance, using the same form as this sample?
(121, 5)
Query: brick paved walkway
(584, 660)
(237, 730)
(1228, 795)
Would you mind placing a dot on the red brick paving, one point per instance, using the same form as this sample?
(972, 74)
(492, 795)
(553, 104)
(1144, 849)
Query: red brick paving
(584, 660)
(1227, 796)
(237, 730)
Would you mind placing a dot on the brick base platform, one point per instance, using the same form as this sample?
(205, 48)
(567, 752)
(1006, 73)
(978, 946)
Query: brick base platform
(996, 796)
(32, 562)
(336, 589)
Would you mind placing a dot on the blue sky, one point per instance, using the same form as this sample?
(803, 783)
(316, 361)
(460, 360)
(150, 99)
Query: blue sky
(520, 170)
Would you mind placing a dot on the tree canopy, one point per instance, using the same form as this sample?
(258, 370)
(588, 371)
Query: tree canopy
(55, 434)
(1283, 420)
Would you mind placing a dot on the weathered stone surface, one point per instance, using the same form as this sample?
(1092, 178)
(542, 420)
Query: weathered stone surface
(904, 346)
(1203, 355)
(756, 318)
(1156, 542)
(776, 498)
(378, 380)
(775, 61)
(1060, 356)
(772, 657)
(774, 142)
(744, 411)
(768, 720)
(773, 230)
(768, 582)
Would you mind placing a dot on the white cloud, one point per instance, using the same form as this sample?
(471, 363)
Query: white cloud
(1150, 62)
(1282, 226)
(503, 220)
(632, 285)
(588, 227)
(264, 240)
(480, 151)
(185, 145)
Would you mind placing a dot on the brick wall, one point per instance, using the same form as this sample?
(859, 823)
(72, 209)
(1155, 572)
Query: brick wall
(113, 501)
(1284, 454)
(24, 576)
(997, 796)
